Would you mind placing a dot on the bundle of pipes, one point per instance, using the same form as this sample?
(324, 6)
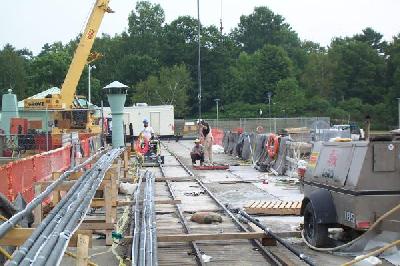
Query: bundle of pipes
(8, 225)
(49, 241)
(144, 241)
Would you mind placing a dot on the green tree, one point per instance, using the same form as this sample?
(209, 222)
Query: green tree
(317, 75)
(273, 65)
(289, 98)
(50, 67)
(358, 71)
(145, 28)
(169, 88)
(13, 71)
(264, 27)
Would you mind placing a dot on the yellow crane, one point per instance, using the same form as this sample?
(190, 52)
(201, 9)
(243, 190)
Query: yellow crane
(68, 114)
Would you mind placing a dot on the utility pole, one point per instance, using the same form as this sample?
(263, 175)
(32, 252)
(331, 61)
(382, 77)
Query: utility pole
(89, 78)
(216, 101)
(398, 100)
(199, 55)
(269, 94)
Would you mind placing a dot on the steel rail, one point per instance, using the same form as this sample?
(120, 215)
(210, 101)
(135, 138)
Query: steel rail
(268, 231)
(268, 255)
(183, 221)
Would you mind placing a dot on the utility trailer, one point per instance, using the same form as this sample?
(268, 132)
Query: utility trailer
(350, 185)
(161, 118)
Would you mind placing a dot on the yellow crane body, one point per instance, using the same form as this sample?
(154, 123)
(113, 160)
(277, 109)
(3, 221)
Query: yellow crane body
(69, 118)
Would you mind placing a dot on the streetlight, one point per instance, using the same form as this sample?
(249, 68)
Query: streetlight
(269, 94)
(217, 101)
(398, 99)
(199, 56)
(89, 94)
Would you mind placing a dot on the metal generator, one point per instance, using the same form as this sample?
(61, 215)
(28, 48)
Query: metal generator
(350, 185)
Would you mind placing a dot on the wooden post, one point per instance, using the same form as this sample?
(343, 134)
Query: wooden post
(108, 209)
(56, 193)
(126, 163)
(38, 211)
(82, 250)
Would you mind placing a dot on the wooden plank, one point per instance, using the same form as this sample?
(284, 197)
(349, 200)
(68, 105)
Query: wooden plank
(38, 211)
(175, 179)
(252, 203)
(108, 210)
(275, 208)
(196, 237)
(82, 254)
(56, 194)
(126, 164)
(166, 202)
(17, 236)
(101, 225)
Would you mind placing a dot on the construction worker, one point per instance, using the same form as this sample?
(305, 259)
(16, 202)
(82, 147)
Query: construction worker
(208, 141)
(197, 152)
(147, 130)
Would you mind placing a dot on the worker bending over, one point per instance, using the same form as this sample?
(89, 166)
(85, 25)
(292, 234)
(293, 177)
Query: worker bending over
(208, 141)
(147, 131)
(197, 152)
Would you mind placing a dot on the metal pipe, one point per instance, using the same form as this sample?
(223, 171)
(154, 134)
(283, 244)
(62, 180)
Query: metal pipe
(135, 225)
(8, 225)
(52, 251)
(40, 235)
(53, 234)
(143, 235)
(154, 223)
(269, 232)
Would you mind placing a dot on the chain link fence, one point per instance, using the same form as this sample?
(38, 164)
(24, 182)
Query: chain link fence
(264, 124)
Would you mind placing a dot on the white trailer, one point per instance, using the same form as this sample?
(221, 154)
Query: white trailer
(161, 118)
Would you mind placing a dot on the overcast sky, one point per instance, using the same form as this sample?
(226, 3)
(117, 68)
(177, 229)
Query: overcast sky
(32, 23)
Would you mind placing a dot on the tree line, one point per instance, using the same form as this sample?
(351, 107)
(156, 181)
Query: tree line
(352, 78)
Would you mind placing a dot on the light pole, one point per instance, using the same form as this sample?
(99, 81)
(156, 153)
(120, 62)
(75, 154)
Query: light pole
(398, 100)
(217, 101)
(269, 94)
(89, 94)
(199, 56)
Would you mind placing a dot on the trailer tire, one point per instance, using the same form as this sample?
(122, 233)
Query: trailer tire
(315, 233)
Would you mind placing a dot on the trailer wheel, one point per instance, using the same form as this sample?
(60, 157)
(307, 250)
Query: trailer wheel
(316, 234)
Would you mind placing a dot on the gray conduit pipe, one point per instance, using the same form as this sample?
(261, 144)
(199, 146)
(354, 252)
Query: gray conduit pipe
(46, 227)
(57, 216)
(8, 225)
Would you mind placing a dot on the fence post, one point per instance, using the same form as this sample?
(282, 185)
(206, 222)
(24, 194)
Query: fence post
(275, 124)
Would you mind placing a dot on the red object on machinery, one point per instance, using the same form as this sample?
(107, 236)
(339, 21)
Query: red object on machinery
(272, 145)
(301, 171)
(142, 146)
(18, 126)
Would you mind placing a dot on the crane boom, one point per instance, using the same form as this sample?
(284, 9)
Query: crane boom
(82, 52)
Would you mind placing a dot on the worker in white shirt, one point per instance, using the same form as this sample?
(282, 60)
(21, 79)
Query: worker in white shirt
(147, 131)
